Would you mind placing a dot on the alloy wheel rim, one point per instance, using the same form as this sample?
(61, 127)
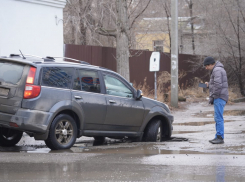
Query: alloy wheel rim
(64, 132)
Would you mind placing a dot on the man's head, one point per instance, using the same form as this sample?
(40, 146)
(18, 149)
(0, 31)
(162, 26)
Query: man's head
(209, 63)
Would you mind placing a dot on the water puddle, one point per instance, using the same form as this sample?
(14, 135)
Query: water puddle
(184, 132)
(210, 114)
(236, 148)
(202, 123)
(145, 149)
(234, 113)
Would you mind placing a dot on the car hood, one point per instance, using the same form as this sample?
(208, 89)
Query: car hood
(150, 103)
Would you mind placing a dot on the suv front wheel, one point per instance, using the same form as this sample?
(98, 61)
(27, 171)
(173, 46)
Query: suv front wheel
(62, 133)
(153, 131)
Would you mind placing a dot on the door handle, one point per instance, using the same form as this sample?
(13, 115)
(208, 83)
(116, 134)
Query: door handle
(112, 101)
(77, 97)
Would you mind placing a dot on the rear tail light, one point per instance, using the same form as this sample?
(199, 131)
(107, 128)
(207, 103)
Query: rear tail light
(31, 76)
(31, 91)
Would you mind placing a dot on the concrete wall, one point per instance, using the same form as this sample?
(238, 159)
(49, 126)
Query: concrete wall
(32, 27)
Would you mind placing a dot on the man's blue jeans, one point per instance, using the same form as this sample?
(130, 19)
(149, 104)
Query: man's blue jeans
(219, 105)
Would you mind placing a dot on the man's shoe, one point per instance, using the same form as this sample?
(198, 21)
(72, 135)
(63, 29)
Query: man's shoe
(211, 140)
(218, 140)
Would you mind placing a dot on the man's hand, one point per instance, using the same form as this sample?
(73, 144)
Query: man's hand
(211, 100)
(206, 84)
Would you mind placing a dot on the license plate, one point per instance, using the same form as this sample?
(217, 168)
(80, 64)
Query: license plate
(4, 91)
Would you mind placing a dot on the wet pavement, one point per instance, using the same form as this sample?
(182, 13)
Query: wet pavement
(188, 156)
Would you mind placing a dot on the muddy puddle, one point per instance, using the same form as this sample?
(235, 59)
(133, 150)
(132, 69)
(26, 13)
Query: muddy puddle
(119, 147)
(184, 132)
(210, 114)
(109, 146)
(202, 123)
(140, 149)
(145, 149)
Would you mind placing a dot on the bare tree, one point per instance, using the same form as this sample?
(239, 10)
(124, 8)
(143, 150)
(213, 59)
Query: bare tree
(91, 22)
(225, 36)
(77, 16)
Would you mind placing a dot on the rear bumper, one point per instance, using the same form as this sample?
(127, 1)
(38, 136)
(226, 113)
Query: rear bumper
(32, 121)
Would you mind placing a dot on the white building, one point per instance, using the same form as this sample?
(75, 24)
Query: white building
(33, 26)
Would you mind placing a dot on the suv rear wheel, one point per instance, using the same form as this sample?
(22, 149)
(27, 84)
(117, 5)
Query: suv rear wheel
(62, 133)
(9, 137)
(153, 131)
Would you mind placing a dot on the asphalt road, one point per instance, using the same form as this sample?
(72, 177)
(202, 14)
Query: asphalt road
(187, 157)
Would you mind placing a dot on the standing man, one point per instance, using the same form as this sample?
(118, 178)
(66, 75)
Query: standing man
(218, 95)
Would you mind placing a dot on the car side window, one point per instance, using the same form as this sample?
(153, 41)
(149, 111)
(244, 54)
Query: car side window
(87, 80)
(116, 87)
(57, 77)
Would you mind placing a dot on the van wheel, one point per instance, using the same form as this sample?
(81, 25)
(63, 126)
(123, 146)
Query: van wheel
(9, 137)
(153, 131)
(62, 133)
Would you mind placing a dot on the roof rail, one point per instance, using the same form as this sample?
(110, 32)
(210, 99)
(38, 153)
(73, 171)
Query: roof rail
(33, 56)
(51, 59)
(82, 62)
(14, 55)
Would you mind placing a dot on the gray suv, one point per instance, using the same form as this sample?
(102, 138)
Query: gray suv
(59, 101)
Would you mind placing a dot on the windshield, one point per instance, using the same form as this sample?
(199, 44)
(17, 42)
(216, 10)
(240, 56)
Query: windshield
(10, 73)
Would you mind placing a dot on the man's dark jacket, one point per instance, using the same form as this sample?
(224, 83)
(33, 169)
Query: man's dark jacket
(218, 85)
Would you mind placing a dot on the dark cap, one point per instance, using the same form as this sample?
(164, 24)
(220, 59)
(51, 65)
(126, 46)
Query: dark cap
(208, 60)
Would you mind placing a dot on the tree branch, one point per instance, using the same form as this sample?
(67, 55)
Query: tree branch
(139, 14)
(105, 32)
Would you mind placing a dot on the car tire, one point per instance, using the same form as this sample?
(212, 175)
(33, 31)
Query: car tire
(153, 131)
(62, 133)
(9, 137)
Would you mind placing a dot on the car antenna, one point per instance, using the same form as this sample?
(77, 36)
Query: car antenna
(22, 54)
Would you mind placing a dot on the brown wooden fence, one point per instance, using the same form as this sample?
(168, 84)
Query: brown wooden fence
(139, 63)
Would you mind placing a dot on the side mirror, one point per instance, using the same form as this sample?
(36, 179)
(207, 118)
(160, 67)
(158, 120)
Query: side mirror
(139, 94)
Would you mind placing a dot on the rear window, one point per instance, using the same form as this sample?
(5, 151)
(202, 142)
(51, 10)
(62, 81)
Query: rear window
(10, 73)
(57, 77)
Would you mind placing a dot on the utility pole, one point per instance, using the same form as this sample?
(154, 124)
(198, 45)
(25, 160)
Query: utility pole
(174, 53)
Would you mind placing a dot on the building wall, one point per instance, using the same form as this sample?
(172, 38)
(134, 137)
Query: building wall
(145, 41)
(32, 27)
